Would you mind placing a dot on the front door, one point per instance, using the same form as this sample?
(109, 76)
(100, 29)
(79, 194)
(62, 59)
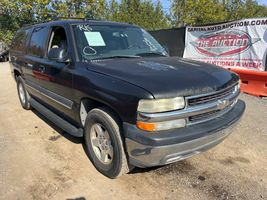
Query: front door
(56, 77)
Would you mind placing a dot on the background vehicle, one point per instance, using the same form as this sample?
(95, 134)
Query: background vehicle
(4, 52)
(114, 85)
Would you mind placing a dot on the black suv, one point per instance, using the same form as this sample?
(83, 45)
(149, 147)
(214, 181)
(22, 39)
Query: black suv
(115, 85)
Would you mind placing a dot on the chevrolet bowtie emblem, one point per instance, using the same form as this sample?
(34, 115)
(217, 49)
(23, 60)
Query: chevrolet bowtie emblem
(221, 104)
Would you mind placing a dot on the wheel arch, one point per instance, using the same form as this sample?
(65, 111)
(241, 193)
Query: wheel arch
(87, 104)
(16, 74)
(90, 104)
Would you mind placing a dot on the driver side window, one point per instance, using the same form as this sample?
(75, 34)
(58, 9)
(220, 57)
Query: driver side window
(58, 39)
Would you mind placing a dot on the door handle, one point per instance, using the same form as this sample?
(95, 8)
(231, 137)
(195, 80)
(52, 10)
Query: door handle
(29, 65)
(42, 68)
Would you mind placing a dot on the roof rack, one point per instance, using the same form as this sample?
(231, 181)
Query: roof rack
(58, 18)
(76, 18)
(66, 18)
(26, 25)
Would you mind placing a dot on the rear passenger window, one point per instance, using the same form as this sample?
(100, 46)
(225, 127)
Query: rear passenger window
(19, 41)
(38, 41)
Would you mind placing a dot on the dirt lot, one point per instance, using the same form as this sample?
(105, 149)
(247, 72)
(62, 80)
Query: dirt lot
(39, 161)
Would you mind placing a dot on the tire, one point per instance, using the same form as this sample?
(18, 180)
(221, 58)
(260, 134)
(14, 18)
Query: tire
(24, 96)
(108, 142)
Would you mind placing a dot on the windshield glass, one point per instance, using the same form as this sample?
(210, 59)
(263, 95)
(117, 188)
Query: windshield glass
(100, 42)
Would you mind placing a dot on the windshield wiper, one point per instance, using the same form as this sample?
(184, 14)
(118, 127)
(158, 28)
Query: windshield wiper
(117, 56)
(151, 54)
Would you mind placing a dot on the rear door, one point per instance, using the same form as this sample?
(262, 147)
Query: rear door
(34, 57)
(19, 59)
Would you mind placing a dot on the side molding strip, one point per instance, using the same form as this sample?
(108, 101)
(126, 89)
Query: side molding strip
(51, 95)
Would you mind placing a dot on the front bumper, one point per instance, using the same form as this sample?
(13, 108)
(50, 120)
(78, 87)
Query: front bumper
(147, 149)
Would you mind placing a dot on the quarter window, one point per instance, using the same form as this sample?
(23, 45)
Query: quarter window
(38, 41)
(19, 42)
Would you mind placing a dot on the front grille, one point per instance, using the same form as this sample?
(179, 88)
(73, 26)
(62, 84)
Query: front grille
(230, 94)
(203, 116)
(209, 115)
(212, 97)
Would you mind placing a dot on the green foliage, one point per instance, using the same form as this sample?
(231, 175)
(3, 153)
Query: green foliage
(197, 11)
(92, 9)
(238, 9)
(192, 12)
(145, 13)
(15, 13)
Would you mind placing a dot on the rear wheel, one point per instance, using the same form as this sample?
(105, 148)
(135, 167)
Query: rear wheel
(104, 144)
(23, 94)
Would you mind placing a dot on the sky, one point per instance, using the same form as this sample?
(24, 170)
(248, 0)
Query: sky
(262, 2)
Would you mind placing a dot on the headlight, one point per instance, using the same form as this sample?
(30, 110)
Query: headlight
(237, 87)
(160, 105)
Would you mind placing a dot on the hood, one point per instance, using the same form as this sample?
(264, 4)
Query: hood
(166, 77)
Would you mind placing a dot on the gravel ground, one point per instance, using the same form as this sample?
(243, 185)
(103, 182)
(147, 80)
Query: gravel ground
(39, 161)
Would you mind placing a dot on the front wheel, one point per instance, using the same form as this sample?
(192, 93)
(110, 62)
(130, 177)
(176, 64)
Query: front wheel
(104, 144)
(23, 94)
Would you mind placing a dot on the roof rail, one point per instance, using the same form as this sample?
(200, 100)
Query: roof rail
(26, 25)
(57, 18)
(66, 18)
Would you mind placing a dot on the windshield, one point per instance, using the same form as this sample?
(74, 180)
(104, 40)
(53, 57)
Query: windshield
(100, 42)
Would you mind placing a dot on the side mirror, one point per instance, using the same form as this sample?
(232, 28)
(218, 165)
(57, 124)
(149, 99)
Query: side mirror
(58, 54)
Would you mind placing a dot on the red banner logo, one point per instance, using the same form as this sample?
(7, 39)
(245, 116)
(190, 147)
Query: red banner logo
(224, 43)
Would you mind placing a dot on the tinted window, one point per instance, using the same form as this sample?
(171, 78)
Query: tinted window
(38, 40)
(19, 42)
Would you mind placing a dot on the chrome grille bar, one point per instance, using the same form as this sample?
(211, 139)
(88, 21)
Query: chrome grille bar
(192, 101)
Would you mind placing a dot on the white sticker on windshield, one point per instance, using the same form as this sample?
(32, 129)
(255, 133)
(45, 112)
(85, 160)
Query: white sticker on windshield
(84, 27)
(94, 39)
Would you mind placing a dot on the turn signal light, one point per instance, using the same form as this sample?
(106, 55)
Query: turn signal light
(160, 126)
(146, 126)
